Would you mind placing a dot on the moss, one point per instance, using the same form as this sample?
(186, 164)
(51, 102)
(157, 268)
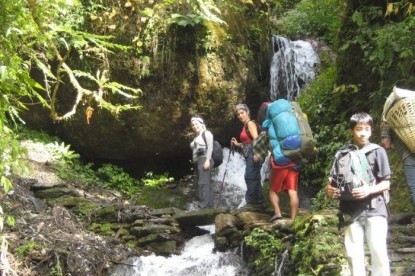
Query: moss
(56, 192)
(26, 248)
(159, 198)
(132, 244)
(85, 207)
(106, 213)
(104, 228)
(319, 245)
(72, 202)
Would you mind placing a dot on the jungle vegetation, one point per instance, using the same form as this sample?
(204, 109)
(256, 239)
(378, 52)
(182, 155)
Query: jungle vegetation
(69, 42)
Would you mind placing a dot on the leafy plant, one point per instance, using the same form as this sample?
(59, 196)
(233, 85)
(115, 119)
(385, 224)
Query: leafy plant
(151, 180)
(267, 245)
(389, 43)
(112, 176)
(381, 35)
(38, 35)
(185, 20)
(312, 18)
(329, 126)
(26, 248)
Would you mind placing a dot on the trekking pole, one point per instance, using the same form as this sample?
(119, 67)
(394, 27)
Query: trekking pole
(231, 151)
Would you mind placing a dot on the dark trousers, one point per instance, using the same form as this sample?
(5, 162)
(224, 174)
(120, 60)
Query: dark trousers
(205, 191)
(254, 192)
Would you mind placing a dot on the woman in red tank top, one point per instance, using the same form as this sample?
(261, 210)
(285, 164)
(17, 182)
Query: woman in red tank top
(254, 196)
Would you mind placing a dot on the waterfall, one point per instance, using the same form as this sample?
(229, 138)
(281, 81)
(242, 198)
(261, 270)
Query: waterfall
(292, 67)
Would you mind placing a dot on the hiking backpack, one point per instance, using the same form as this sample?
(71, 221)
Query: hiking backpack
(300, 148)
(262, 113)
(308, 149)
(217, 152)
(351, 169)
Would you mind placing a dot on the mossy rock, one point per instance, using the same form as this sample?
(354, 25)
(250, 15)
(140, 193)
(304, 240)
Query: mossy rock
(56, 192)
(73, 202)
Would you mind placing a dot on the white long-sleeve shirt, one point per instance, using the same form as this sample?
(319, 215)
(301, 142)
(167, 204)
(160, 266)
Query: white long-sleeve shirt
(199, 143)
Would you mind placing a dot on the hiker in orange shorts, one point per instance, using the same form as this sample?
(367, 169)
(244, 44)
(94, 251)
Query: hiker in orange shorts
(284, 179)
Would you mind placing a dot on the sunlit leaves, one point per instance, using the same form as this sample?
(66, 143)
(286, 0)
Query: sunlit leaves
(185, 20)
(351, 88)
(389, 9)
(401, 6)
(312, 18)
(386, 39)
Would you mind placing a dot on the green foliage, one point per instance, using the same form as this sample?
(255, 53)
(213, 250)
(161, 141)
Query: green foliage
(312, 18)
(318, 247)
(329, 124)
(185, 20)
(77, 172)
(151, 180)
(386, 40)
(162, 198)
(267, 245)
(112, 176)
(26, 248)
(105, 228)
(321, 201)
(400, 201)
(56, 270)
(42, 35)
(11, 155)
(70, 168)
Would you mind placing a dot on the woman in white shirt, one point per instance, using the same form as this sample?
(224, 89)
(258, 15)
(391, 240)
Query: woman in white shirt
(202, 147)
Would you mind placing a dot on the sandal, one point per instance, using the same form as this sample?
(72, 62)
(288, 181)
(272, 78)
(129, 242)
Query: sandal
(275, 217)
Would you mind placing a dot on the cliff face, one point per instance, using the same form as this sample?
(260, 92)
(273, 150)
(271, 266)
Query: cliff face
(197, 67)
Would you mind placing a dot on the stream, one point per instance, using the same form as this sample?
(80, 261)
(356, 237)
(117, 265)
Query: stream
(198, 257)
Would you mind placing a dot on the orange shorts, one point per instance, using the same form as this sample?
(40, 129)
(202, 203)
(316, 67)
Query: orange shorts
(283, 178)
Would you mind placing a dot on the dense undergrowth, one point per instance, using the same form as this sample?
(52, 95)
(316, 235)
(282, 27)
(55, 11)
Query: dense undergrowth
(373, 42)
(72, 169)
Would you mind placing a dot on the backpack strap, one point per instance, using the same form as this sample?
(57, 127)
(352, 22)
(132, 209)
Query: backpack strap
(204, 137)
(247, 129)
(368, 148)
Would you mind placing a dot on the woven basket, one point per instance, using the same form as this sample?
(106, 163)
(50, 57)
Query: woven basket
(401, 118)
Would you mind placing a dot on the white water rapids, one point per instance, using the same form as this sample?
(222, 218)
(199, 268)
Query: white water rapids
(198, 257)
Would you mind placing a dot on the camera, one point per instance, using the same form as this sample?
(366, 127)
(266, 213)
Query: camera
(201, 151)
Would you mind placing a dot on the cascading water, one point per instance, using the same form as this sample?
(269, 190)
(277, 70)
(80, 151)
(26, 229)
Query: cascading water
(198, 257)
(231, 186)
(292, 67)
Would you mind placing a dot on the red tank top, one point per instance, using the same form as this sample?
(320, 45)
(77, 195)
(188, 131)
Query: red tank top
(244, 137)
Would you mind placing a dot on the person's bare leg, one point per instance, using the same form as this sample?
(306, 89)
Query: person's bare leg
(294, 203)
(274, 199)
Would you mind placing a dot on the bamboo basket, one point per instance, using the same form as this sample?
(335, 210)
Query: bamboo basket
(401, 118)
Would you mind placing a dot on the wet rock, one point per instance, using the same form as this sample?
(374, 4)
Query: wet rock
(198, 217)
(55, 192)
(224, 221)
(153, 229)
